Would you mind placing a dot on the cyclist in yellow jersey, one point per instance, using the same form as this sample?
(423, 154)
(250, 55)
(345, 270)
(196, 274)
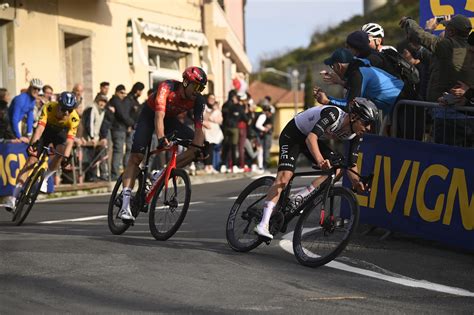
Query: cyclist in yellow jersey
(57, 125)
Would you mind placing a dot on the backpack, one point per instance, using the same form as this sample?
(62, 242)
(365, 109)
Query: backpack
(408, 73)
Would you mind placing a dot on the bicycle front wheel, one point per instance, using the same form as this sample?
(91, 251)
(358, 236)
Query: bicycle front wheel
(319, 237)
(169, 205)
(246, 213)
(116, 225)
(28, 196)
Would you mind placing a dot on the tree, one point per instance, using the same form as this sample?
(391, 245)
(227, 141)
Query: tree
(308, 89)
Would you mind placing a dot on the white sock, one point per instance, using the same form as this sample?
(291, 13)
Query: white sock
(17, 190)
(305, 191)
(126, 197)
(48, 174)
(267, 213)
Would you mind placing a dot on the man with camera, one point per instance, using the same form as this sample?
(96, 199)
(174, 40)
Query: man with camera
(452, 61)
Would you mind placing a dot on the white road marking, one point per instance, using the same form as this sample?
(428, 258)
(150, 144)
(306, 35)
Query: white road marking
(72, 197)
(287, 245)
(97, 217)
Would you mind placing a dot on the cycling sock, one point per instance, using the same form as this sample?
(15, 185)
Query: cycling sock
(48, 174)
(267, 213)
(126, 197)
(17, 190)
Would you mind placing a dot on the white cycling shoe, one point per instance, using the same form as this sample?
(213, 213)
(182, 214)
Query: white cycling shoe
(263, 231)
(126, 214)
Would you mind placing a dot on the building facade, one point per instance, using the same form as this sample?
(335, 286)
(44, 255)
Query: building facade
(120, 41)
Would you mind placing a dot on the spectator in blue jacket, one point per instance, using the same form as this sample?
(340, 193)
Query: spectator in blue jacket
(23, 105)
(362, 80)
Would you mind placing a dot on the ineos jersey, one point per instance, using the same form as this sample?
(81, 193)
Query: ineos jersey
(325, 122)
(167, 99)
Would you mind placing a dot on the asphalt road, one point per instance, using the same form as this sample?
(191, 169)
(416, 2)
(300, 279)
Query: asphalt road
(53, 266)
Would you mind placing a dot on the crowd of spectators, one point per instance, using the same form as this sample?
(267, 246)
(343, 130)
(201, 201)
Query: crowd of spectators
(238, 132)
(426, 66)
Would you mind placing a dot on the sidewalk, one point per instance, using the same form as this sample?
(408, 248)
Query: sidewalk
(104, 187)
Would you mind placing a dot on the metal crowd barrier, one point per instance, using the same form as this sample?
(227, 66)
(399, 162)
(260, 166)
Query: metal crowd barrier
(432, 122)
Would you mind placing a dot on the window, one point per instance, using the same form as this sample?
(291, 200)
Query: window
(164, 59)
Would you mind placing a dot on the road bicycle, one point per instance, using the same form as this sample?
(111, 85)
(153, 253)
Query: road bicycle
(166, 199)
(32, 186)
(327, 217)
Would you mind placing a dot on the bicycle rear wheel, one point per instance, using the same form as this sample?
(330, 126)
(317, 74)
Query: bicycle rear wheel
(28, 196)
(314, 244)
(246, 213)
(169, 205)
(116, 225)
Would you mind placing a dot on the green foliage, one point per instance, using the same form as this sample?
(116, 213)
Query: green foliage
(323, 43)
(308, 89)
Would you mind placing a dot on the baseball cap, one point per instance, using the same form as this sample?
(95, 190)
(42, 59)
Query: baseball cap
(340, 55)
(459, 22)
(358, 40)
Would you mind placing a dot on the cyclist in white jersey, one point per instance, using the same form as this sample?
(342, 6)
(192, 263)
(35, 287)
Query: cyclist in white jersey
(304, 133)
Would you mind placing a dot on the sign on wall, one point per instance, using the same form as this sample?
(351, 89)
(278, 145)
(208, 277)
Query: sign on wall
(421, 189)
(431, 8)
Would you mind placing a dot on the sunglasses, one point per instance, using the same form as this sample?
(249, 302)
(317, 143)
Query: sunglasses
(199, 87)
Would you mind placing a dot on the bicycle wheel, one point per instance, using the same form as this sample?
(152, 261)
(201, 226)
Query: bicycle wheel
(246, 213)
(170, 205)
(27, 197)
(116, 225)
(315, 244)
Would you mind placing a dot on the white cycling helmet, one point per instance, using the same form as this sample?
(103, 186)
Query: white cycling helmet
(37, 83)
(373, 29)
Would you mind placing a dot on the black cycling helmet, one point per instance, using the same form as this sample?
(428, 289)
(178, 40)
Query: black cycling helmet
(365, 109)
(67, 101)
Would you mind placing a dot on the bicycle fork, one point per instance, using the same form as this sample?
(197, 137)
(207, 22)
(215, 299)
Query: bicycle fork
(327, 221)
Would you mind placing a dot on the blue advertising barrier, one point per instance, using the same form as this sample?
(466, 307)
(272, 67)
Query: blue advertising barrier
(431, 8)
(422, 189)
(12, 158)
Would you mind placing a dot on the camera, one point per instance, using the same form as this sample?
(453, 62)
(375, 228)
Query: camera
(440, 18)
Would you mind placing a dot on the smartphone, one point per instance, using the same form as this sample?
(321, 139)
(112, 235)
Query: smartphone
(323, 72)
(440, 18)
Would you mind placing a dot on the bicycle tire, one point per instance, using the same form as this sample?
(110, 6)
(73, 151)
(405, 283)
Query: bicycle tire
(308, 228)
(158, 216)
(28, 197)
(252, 196)
(116, 225)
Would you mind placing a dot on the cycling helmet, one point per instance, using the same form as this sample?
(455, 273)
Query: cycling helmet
(373, 29)
(36, 83)
(67, 100)
(196, 75)
(365, 109)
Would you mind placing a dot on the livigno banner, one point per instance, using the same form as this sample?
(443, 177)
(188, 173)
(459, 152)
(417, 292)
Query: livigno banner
(431, 8)
(419, 188)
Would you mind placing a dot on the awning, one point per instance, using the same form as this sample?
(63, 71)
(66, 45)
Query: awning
(173, 34)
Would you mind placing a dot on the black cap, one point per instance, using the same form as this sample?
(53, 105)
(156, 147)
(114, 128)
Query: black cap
(358, 40)
(460, 23)
(120, 87)
(340, 55)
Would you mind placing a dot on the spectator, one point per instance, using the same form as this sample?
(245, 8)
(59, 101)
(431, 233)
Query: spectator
(78, 91)
(232, 113)
(362, 80)
(104, 89)
(6, 132)
(4, 95)
(47, 94)
(264, 127)
(92, 120)
(122, 122)
(242, 125)
(23, 105)
(376, 35)
(452, 61)
(212, 131)
(131, 101)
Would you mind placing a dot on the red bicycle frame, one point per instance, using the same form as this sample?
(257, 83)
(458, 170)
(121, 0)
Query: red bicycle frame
(166, 174)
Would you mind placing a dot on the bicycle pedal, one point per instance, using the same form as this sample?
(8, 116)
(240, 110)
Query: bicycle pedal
(130, 222)
(267, 241)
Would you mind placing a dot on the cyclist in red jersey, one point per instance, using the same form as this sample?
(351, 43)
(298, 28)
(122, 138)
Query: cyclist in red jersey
(170, 99)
